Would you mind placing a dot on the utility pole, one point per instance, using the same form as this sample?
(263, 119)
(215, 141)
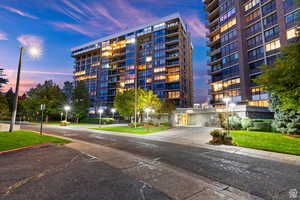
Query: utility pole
(15, 103)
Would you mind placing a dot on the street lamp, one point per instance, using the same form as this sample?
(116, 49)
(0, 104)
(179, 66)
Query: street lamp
(33, 52)
(148, 110)
(100, 111)
(67, 109)
(61, 116)
(227, 100)
(113, 110)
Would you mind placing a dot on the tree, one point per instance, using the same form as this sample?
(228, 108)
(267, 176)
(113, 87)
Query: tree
(10, 99)
(125, 102)
(81, 101)
(68, 90)
(2, 80)
(286, 121)
(4, 110)
(167, 106)
(282, 78)
(47, 93)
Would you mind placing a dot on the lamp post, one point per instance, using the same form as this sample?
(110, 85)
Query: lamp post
(43, 106)
(67, 109)
(113, 110)
(147, 110)
(226, 100)
(61, 116)
(100, 111)
(33, 52)
(231, 106)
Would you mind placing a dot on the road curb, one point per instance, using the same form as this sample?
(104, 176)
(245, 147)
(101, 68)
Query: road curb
(26, 148)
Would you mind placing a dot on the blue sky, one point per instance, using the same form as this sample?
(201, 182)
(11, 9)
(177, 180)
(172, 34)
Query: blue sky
(58, 25)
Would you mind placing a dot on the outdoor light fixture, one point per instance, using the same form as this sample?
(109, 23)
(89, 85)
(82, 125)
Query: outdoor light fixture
(147, 111)
(34, 52)
(100, 111)
(113, 110)
(67, 109)
(226, 100)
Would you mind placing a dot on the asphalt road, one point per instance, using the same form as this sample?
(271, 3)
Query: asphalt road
(60, 173)
(264, 178)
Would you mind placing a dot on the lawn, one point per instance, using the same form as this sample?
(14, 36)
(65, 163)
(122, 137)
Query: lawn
(20, 139)
(275, 142)
(127, 129)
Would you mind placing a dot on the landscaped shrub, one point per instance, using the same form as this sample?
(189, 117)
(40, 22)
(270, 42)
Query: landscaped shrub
(64, 123)
(246, 123)
(234, 123)
(261, 126)
(107, 120)
(220, 137)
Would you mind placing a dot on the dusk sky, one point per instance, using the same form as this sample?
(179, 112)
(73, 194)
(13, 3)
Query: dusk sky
(58, 25)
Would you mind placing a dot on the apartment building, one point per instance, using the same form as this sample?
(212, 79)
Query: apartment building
(155, 56)
(244, 34)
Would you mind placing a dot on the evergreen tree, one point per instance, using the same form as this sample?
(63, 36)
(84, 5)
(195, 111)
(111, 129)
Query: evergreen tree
(68, 90)
(4, 110)
(10, 99)
(285, 121)
(81, 101)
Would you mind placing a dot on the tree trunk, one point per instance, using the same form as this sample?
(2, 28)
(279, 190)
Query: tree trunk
(47, 118)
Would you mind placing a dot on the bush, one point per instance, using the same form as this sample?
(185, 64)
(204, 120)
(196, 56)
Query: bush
(64, 123)
(261, 126)
(107, 120)
(246, 123)
(220, 137)
(234, 123)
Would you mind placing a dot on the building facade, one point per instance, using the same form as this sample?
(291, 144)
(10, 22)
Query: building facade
(244, 34)
(155, 56)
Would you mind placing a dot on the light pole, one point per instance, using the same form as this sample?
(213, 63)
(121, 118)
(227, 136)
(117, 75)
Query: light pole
(43, 106)
(232, 105)
(61, 116)
(226, 100)
(147, 110)
(100, 111)
(113, 110)
(33, 52)
(67, 109)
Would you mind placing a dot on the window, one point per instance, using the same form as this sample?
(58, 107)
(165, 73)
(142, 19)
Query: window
(273, 45)
(292, 33)
(228, 25)
(256, 52)
(173, 78)
(253, 29)
(229, 48)
(228, 36)
(159, 69)
(271, 32)
(256, 64)
(270, 20)
(174, 95)
(230, 59)
(252, 42)
(269, 7)
(292, 18)
(251, 4)
(227, 15)
(252, 16)
(161, 77)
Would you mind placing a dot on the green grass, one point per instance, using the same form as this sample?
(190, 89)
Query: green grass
(275, 142)
(127, 129)
(20, 139)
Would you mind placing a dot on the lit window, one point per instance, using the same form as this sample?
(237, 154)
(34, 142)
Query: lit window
(174, 95)
(228, 25)
(173, 77)
(273, 45)
(148, 59)
(160, 69)
(162, 77)
(130, 41)
(251, 4)
(292, 33)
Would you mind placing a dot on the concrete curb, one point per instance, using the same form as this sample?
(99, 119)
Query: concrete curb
(26, 148)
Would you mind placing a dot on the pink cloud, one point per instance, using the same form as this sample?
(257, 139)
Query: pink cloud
(104, 12)
(78, 28)
(3, 36)
(197, 28)
(19, 12)
(30, 40)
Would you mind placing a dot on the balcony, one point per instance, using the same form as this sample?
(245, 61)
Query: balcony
(173, 47)
(172, 40)
(214, 14)
(214, 61)
(214, 52)
(212, 5)
(212, 43)
(172, 63)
